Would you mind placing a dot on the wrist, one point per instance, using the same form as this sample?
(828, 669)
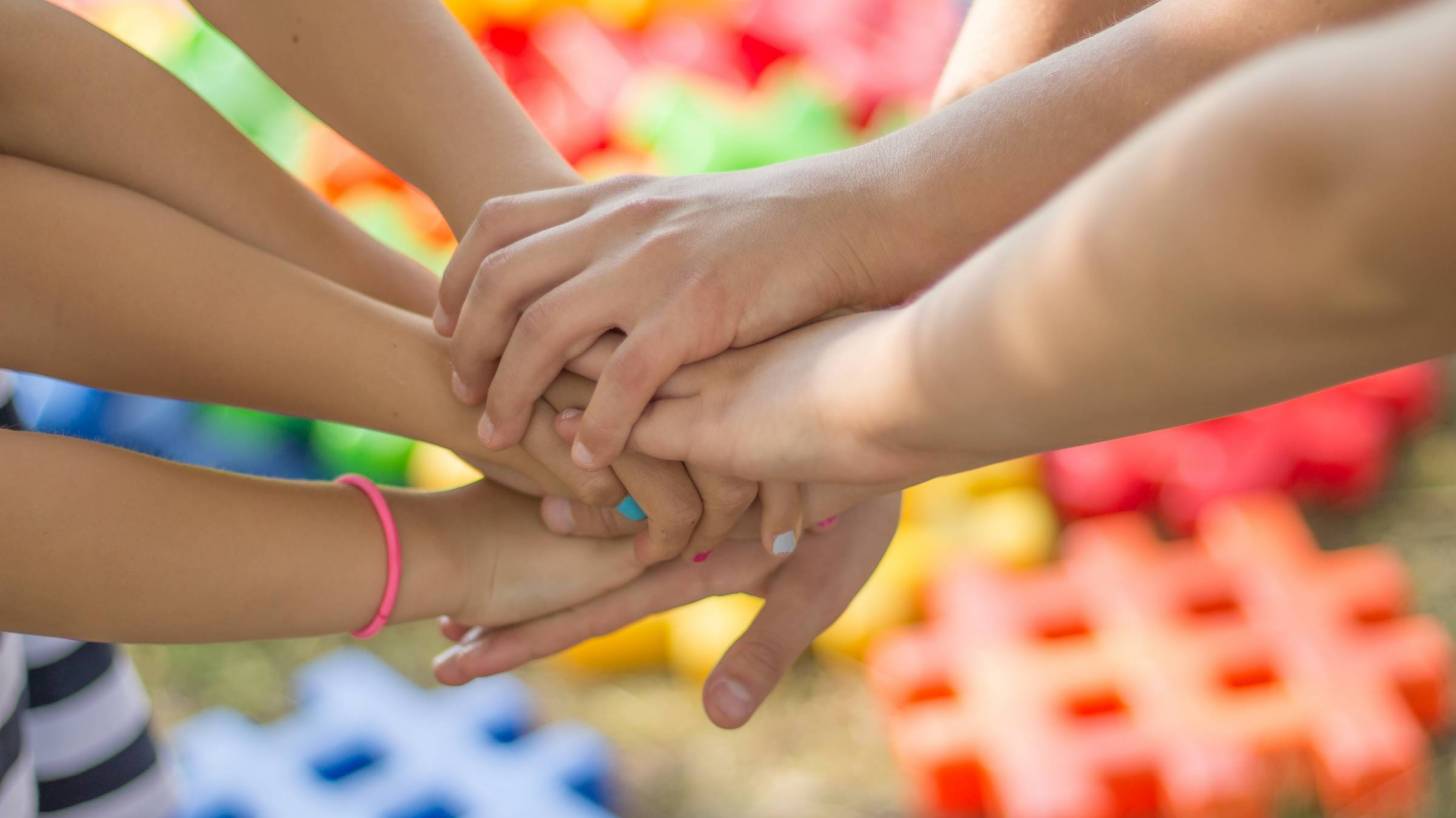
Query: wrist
(432, 576)
(917, 429)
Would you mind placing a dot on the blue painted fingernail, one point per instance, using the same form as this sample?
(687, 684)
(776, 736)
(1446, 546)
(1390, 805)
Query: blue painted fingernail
(628, 508)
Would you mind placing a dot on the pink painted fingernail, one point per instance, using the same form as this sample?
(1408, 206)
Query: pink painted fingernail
(827, 523)
(702, 556)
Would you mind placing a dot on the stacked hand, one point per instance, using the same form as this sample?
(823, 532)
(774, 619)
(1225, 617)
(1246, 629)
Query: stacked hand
(802, 596)
(629, 282)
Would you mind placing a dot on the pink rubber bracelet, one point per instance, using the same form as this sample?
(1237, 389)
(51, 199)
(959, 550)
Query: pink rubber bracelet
(391, 552)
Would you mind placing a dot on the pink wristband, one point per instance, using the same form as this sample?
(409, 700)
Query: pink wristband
(391, 552)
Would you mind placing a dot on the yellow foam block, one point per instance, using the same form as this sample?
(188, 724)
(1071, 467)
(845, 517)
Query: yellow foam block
(639, 646)
(703, 631)
(952, 494)
(435, 469)
(1015, 528)
(890, 598)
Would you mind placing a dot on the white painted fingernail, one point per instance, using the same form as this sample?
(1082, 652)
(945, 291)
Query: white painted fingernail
(448, 655)
(785, 543)
(582, 456)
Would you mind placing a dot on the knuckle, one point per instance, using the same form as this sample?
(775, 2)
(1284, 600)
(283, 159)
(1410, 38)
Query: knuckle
(494, 262)
(662, 245)
(598, 489)
(633, 370)
(679, 523)
(646, 206)
(759, 660)
(538, 322)
(731, 498)
(626, 181)
(493, 210)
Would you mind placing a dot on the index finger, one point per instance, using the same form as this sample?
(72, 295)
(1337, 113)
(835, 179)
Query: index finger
(501, 221)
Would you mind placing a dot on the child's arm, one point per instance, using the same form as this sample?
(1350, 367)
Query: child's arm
(1002, 36)
(78, 99)
(1259, 241)
(402, 81)
(107, 287)
(105, 544)
(452, 129)
(691, 266)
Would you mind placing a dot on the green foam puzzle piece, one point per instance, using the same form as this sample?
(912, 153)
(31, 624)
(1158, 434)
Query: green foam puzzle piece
(379, 456)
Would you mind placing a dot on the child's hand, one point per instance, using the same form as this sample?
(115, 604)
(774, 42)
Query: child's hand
(687, 509)
(687, 267)
(511, 568)
(821, 404)
(802, 596)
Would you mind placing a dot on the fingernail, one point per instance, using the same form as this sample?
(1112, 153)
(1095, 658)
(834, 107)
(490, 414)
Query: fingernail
(581, 456)
(474, 635)
(570, 414)
(486, 430)
(827, 523)
(785, 543)
(448, 655)
(702, 556)
(733, 700)
(442, 321)
(556, 512)
(462, 392)
(628, 508)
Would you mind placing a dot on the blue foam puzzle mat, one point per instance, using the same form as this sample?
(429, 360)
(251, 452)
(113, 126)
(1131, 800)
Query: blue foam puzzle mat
(366, 743)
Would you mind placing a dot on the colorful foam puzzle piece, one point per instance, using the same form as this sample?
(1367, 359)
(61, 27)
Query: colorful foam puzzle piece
(377, 455)
(1198, 678)
(1334, 446)
(365, 743)
(871, 51)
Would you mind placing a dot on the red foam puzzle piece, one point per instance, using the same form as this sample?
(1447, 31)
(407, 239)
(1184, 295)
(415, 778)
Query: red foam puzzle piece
(1188, 679)
(1333, 446)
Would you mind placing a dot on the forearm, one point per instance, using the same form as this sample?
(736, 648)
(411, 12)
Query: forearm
(955, 180)
(109, 288)
(124, 120)
(104, 544)
(1003, 36)
(1258, 242)
(420, 67)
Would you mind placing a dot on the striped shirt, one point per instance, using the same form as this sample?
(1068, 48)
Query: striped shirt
(75, 728)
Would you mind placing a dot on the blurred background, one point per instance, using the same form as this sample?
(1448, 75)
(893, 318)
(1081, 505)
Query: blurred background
(692, 86)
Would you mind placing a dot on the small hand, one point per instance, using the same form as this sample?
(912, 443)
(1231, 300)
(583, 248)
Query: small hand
(822, 404)
(803, 595)
(686, 508)
(687, 267)
(512, 568)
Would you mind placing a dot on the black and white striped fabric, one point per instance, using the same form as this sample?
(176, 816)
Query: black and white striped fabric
(17, 772)
(88, 728)
(75, 738)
